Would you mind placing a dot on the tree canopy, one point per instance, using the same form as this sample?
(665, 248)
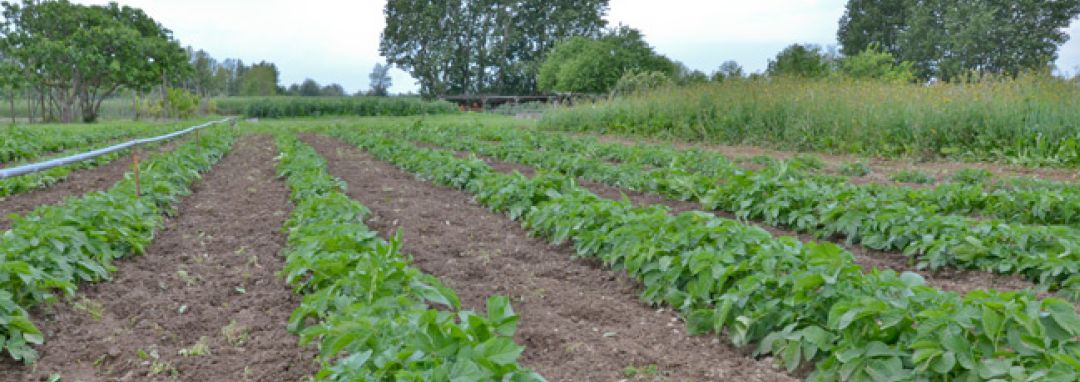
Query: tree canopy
(595, 65)
(260, 80)
(380, 80)
(800, 60)
(482, 46)
(81, 54)
(949, 38)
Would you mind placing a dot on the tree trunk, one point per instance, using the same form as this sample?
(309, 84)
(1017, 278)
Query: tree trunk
(11, 99)
(164, 96)
(135, 104)
(30, 106)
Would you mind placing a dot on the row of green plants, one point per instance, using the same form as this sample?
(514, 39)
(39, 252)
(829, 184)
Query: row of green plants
(51, 250)
(1047, 255)
(283, 107)
(971, 192)
(1028, 120)
(807, 305)
(374, 316)
(24, 142)
(45, 179)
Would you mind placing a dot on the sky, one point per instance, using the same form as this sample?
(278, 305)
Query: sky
(337, 41)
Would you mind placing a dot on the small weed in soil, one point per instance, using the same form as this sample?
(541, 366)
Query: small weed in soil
(854, 169)
(912, 176)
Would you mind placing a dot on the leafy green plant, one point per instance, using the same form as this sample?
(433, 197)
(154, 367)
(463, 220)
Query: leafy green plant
(807, 162)
(182, 103)
(854, 169)
(912, 176)
(971, 175)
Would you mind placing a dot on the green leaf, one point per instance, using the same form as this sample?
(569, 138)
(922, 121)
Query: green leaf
(500, 350)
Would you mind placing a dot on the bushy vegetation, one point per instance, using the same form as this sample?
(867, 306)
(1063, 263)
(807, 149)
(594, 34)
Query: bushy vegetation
(278, 107)
(595, 65)
(1030, 119)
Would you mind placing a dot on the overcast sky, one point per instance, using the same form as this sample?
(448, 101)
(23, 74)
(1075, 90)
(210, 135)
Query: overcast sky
(338, 40)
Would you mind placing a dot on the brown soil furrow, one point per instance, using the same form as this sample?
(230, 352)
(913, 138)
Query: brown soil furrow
(579, 320)
(209, 278)
(78, 182)
(950, 279)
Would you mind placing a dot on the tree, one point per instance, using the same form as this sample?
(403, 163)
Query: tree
(873, 63)
(332, 90)
(633, 83)
(309, 88)
(480, 46)
(867, 22)
(797, 60)
(594, 65)
(202, 78)
(685, 76)
(79, 55)
(949, 38)
(259, 80)
(380, 80)
(728, 70)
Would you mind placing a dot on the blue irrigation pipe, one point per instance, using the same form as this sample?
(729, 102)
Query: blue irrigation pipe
(42, 166)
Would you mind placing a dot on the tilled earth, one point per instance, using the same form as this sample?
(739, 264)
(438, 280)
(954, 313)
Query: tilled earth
(203, 303)
(579, 320)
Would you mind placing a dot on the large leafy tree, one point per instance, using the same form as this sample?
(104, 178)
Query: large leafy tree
(309, 88)
(79, 55)
(595, 65)
(800, 60)
(482, 46)
(949, 38)
(260, 80)
(380, 80)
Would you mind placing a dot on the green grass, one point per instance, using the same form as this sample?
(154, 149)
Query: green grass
(1027, 120)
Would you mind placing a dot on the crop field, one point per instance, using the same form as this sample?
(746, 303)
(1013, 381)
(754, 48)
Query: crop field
(478, 247)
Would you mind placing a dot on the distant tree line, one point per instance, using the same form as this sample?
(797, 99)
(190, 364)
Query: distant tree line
(230, 77)
(482, 46)
(531, 46)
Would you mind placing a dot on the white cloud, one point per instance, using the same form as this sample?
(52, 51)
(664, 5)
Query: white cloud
(338, 40)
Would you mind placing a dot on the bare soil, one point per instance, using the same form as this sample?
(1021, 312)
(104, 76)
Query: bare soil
(881, 168)
(78, 182)
(579, 320)
(950, 279)
(203, 303)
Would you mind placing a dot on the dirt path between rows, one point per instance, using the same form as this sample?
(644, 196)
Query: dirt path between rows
(579, 320)
(950, 279)
(203, 304)
(77, 183)
(880, 168)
